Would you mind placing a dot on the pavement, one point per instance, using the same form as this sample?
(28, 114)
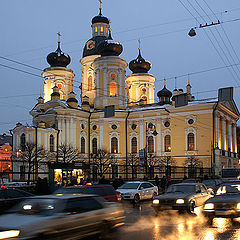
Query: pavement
(143, 224)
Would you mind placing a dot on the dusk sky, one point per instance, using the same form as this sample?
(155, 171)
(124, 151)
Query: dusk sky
(29, 33)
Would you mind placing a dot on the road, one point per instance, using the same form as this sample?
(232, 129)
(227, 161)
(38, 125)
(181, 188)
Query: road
(143, 224)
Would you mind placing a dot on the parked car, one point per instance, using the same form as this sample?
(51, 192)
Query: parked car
(212, 184)
(225, 204)
(10, 197)
(103, 190)
(137, 191)
(61, 217)
(181, 196)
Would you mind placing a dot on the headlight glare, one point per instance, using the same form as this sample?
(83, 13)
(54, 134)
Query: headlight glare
(209, 206)
(155, 201)
(238, 206)
(9, 234)
(180, 201)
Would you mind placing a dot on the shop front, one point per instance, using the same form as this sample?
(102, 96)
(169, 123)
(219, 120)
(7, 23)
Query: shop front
(67, 174)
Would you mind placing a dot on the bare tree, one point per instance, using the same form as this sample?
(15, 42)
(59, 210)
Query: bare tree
(67, 153)
(32, 156)
(193, 163)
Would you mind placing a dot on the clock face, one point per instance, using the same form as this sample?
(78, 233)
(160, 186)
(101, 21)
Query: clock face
(90, 44)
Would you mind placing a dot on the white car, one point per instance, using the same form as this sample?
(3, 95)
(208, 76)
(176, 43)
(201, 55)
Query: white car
(61, 217)
(137, 191)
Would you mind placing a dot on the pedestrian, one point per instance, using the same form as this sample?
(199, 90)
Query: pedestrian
(169, 180)
(115, 183)
(163, 183)
(120, 180)
(157, 181)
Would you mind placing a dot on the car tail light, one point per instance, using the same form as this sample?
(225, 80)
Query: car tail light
(119, 197)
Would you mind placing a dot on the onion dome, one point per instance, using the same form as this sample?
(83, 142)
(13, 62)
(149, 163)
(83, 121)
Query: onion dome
(100, 18)
(164, 93)
(55, 94)
(109, 47)
(72, 98)
(139, 65)
(91, 46)
(58, 58)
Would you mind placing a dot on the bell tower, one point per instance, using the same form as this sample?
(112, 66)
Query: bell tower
(140, 84)
(100, 29)
(58, 74)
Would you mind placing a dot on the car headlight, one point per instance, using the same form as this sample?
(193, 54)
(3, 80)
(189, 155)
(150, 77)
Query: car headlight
(180, 201)
(155, 201)
(9, 234)
(238, 206)
(209, 206)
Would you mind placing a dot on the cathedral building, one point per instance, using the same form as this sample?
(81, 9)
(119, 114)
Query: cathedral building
(117, 126)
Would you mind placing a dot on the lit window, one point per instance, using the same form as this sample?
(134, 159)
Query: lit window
(113, 89)
(101, 29)
(114, 145)
(144, 98)
(90, 83)
(190, 142)
(167, 143)
(95, 29)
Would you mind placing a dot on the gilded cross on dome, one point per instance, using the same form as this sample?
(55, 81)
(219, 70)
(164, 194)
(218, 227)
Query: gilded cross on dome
(59, 35)
(100, 8)
(139, 44)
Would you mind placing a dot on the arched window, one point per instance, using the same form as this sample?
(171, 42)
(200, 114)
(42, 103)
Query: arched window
(190, 142)
(90, 83)
(113, 89)
(114, 145)
(51, 143)
(23, 142)
(144, 99)
(134, 145)
(167, 143)
(150, 144)
(94, 145)
(82, 145)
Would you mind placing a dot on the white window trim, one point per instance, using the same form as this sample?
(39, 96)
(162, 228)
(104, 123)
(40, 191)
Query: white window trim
(187, 131)
(117, 135)
(94, 135)
(131, 136)
(166, 132)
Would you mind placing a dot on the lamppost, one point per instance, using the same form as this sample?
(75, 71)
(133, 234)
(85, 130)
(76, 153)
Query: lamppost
(150, 130)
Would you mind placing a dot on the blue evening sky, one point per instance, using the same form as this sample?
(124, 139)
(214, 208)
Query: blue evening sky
(29, 33)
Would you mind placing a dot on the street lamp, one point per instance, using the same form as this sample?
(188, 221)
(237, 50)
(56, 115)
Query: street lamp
(150, 129)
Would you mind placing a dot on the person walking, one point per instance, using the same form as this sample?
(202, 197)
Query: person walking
(163, 183)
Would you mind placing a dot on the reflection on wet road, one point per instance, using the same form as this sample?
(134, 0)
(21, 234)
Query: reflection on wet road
(143, 224)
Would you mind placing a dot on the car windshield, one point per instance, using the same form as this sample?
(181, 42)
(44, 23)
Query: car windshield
(181, 188)
(129, 186)
(68, 190)
(229, 189)
(37, 206)
(209, 182)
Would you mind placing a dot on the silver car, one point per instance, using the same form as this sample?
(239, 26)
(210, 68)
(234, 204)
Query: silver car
(61, 217)
(181, 197)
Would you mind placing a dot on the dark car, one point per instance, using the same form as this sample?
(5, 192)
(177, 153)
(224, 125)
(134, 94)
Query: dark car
(212, 184)
(10, 197)
(225, 204)
(105, 191)
(181, 197)
(61, 217)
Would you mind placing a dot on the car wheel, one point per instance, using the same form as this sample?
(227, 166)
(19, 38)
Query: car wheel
(105, 230)
(136, 198)
(154, 195)
(209, 221)
(191, 207)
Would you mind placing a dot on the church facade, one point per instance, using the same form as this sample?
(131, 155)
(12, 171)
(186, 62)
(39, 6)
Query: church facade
(117, 127)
